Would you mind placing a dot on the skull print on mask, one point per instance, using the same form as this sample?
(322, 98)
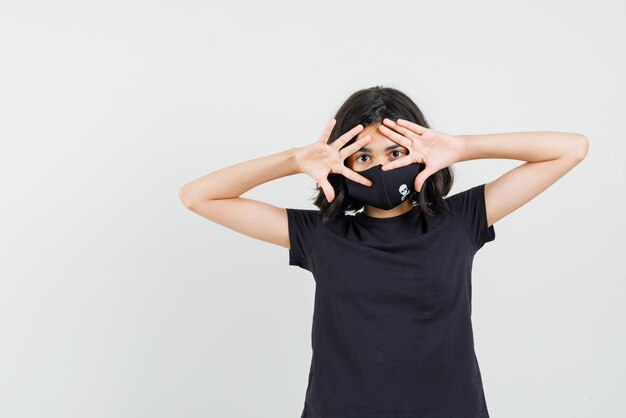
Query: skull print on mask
(389, 188)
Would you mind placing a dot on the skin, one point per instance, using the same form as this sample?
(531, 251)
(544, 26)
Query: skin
(547, 156)
(364, 159)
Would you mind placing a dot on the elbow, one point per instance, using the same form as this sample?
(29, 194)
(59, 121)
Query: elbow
(582, 147)
(184, 198)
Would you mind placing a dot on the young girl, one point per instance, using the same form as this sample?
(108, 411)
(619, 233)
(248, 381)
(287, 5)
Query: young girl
(392, 331)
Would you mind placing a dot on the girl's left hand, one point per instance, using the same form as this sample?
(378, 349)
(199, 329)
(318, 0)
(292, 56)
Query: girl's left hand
(436, 150)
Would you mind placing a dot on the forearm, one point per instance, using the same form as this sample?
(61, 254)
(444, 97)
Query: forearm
(526, 146)
(234, 180)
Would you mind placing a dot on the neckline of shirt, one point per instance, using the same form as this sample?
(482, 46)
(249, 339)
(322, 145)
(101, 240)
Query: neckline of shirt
(363, 217)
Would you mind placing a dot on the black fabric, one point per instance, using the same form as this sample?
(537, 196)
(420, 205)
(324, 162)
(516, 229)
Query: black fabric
(392, 333)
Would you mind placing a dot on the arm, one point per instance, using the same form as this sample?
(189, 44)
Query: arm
(548, 156)
(215, 196)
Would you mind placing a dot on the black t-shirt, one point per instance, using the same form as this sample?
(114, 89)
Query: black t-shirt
(392, 332)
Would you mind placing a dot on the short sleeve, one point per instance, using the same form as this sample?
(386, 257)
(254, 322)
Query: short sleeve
(469, 208)
(303, 225)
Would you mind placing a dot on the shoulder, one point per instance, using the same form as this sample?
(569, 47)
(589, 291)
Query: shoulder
(468, 207)
(464, 201)
(304, 228)
(311, 218)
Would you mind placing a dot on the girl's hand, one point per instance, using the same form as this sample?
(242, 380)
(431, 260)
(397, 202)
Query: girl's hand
(320, 158)
(436, 150)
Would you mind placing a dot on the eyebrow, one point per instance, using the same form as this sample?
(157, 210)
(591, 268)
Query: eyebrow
(390, 147)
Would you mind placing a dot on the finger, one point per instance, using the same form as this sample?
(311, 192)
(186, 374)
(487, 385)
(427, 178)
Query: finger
(343, 139)
(404, 131)
(326, 134)
(413, 126)
(396, 137)
(328, 190)
(400, 162)
(354, 176)
(352, 148)
(421, 179)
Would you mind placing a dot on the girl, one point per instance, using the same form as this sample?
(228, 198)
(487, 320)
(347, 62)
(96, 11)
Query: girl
(392, 332)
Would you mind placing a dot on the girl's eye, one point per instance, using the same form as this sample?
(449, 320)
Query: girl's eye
(363, 155)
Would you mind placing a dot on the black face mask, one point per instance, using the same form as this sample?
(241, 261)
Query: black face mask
(389, 188)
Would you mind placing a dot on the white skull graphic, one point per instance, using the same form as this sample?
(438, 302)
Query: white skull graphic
(404, 191)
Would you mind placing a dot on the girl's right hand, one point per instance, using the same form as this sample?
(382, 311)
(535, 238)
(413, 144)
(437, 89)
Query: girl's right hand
(320, 158)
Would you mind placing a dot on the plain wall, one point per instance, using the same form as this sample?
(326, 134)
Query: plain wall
(116, 301)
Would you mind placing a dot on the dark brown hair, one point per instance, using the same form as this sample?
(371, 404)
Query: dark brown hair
(365, 107)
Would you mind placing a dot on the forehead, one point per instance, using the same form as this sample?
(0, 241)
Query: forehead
(379, 140)
(371, 130)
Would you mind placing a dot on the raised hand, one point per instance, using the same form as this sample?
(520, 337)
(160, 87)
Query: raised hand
(436, 150)
(320, 158)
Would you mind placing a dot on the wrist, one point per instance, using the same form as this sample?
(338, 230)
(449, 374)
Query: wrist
(294, 165)
(464, 148)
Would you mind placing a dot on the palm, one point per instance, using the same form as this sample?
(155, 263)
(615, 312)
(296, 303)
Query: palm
(436, 150)
(320, 158)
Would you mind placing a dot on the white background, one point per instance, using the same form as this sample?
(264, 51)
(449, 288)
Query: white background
(116, 301)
